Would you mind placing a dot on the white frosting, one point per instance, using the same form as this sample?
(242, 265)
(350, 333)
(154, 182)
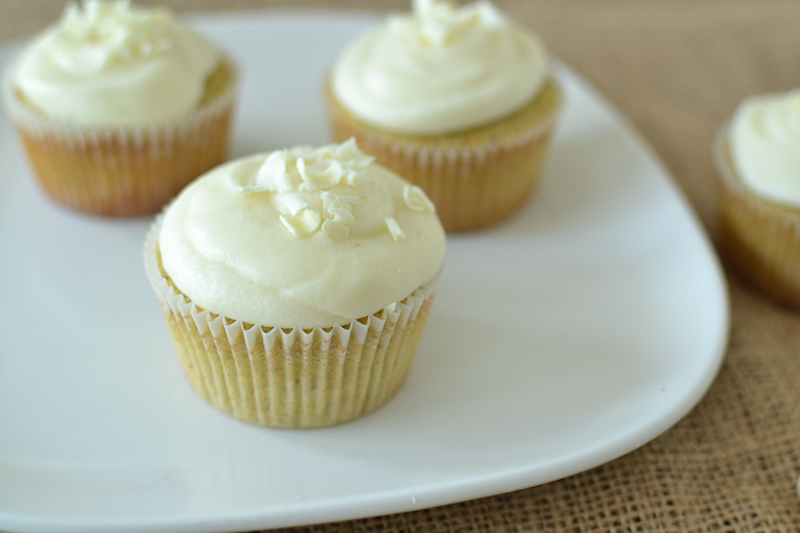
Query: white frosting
(441, 70)
(112, 64)
(302, 237)
(765, 145)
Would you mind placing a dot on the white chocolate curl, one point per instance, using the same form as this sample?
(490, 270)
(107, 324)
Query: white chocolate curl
(416, 199)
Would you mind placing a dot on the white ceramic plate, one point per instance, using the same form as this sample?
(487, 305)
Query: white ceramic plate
(560, 340)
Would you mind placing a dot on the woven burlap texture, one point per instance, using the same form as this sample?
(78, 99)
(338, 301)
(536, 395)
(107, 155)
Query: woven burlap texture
(677, 69)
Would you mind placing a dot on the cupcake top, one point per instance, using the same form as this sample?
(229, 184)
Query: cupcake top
(441, 69)
(108, 63)
(765, 146)
(301, 237)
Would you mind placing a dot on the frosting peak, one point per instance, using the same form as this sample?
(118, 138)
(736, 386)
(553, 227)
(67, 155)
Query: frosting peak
(255, 241)
(109, 63)
(440, 69)
(100, 34)
(765, 145)
(437, 23)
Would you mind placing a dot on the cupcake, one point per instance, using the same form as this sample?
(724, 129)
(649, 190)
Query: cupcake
(120, 107)
(457, 100)
(758, 163)
(297, 283)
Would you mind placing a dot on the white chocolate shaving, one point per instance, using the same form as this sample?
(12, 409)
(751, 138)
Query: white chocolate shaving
(270, 176)
(335, 230)
(297, 215)
(341, 213)
(320, 174)
(394, 228)
(349, 153)
(416, 199)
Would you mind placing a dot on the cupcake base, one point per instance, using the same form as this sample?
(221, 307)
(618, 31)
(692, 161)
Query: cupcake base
(758, 237)
(125, 171)
(475, 177)
(291, 377)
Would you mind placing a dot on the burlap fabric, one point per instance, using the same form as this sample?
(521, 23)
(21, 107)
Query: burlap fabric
(677, 69)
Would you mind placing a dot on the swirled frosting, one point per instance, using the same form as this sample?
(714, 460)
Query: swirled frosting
(108, 63)
(440, 70)
(765, 145)
(302, 237)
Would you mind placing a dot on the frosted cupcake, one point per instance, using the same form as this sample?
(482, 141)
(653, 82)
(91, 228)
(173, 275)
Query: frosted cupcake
(297, 283)
(119, 107)
(457, 100)
(758, 163)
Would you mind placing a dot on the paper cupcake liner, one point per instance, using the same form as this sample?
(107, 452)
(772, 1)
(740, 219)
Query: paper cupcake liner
(475, 178)
(122, 171)
(292, 377)
(760, 238)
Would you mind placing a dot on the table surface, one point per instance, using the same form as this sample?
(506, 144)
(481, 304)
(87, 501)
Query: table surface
(677, 69)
